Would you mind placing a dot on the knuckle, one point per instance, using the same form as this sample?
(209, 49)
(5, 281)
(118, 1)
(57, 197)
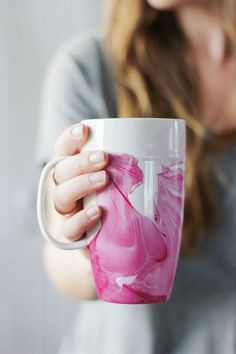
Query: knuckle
(66, 230)
(72, 229)
(81, 185)
(76, 184)
(57, 200)
(77, 165)
(60, 202)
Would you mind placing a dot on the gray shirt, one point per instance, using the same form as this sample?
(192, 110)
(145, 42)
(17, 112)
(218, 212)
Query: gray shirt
(200, 317)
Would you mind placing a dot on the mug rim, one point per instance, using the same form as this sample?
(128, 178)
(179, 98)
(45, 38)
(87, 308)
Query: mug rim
(135, 118)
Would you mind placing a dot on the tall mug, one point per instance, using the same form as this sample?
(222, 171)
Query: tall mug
(134, 247)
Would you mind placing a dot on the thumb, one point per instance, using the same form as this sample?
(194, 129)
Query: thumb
(71, 140)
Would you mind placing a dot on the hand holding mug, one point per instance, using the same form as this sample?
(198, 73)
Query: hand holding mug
(81, 174)
(76, 174)
(134, 239)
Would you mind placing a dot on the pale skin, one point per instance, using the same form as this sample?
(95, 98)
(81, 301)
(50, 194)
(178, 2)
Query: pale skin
(71, 271)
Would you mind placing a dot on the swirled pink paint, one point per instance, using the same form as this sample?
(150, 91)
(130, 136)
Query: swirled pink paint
(133, 257)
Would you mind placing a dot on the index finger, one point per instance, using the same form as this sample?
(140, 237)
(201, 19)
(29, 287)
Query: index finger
(71, 140)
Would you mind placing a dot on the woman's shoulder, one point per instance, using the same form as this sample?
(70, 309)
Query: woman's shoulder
(80, 71)
(82, 65)
(90, 43)
(85, 52)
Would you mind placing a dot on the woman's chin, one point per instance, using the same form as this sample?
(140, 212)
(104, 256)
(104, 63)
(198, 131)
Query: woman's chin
(166, 4)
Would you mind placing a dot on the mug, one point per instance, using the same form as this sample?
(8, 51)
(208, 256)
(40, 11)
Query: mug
(134, 247)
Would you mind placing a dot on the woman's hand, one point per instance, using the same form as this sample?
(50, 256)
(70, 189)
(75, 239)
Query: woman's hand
(81, 174)
(70, 271)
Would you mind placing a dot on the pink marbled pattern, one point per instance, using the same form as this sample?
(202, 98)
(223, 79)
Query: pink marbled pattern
(133, 257)
(168, 217)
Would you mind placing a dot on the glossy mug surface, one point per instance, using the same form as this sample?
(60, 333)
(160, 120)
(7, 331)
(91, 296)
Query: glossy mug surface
(134, 248)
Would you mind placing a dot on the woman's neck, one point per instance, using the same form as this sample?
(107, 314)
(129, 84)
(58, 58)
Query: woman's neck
(203, 31)
(217, 76)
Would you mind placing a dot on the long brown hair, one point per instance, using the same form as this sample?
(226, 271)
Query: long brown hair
(155, 79)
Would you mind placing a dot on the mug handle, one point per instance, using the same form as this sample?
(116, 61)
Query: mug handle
(41, 215)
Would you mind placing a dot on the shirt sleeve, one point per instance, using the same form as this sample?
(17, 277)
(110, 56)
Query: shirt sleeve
(70, 93)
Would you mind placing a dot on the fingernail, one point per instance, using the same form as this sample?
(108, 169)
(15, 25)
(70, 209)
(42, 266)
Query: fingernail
(97, 157)
(77, 131)
(92, 211)
(97, 177)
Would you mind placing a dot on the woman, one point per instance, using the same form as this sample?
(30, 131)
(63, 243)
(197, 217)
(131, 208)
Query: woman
(171, 58)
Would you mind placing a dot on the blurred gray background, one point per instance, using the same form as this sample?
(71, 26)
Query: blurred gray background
(33, 315)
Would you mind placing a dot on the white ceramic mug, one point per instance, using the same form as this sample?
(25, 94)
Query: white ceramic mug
(134, 247)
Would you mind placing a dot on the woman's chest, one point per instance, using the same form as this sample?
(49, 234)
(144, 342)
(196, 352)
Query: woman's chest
(222, 240)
